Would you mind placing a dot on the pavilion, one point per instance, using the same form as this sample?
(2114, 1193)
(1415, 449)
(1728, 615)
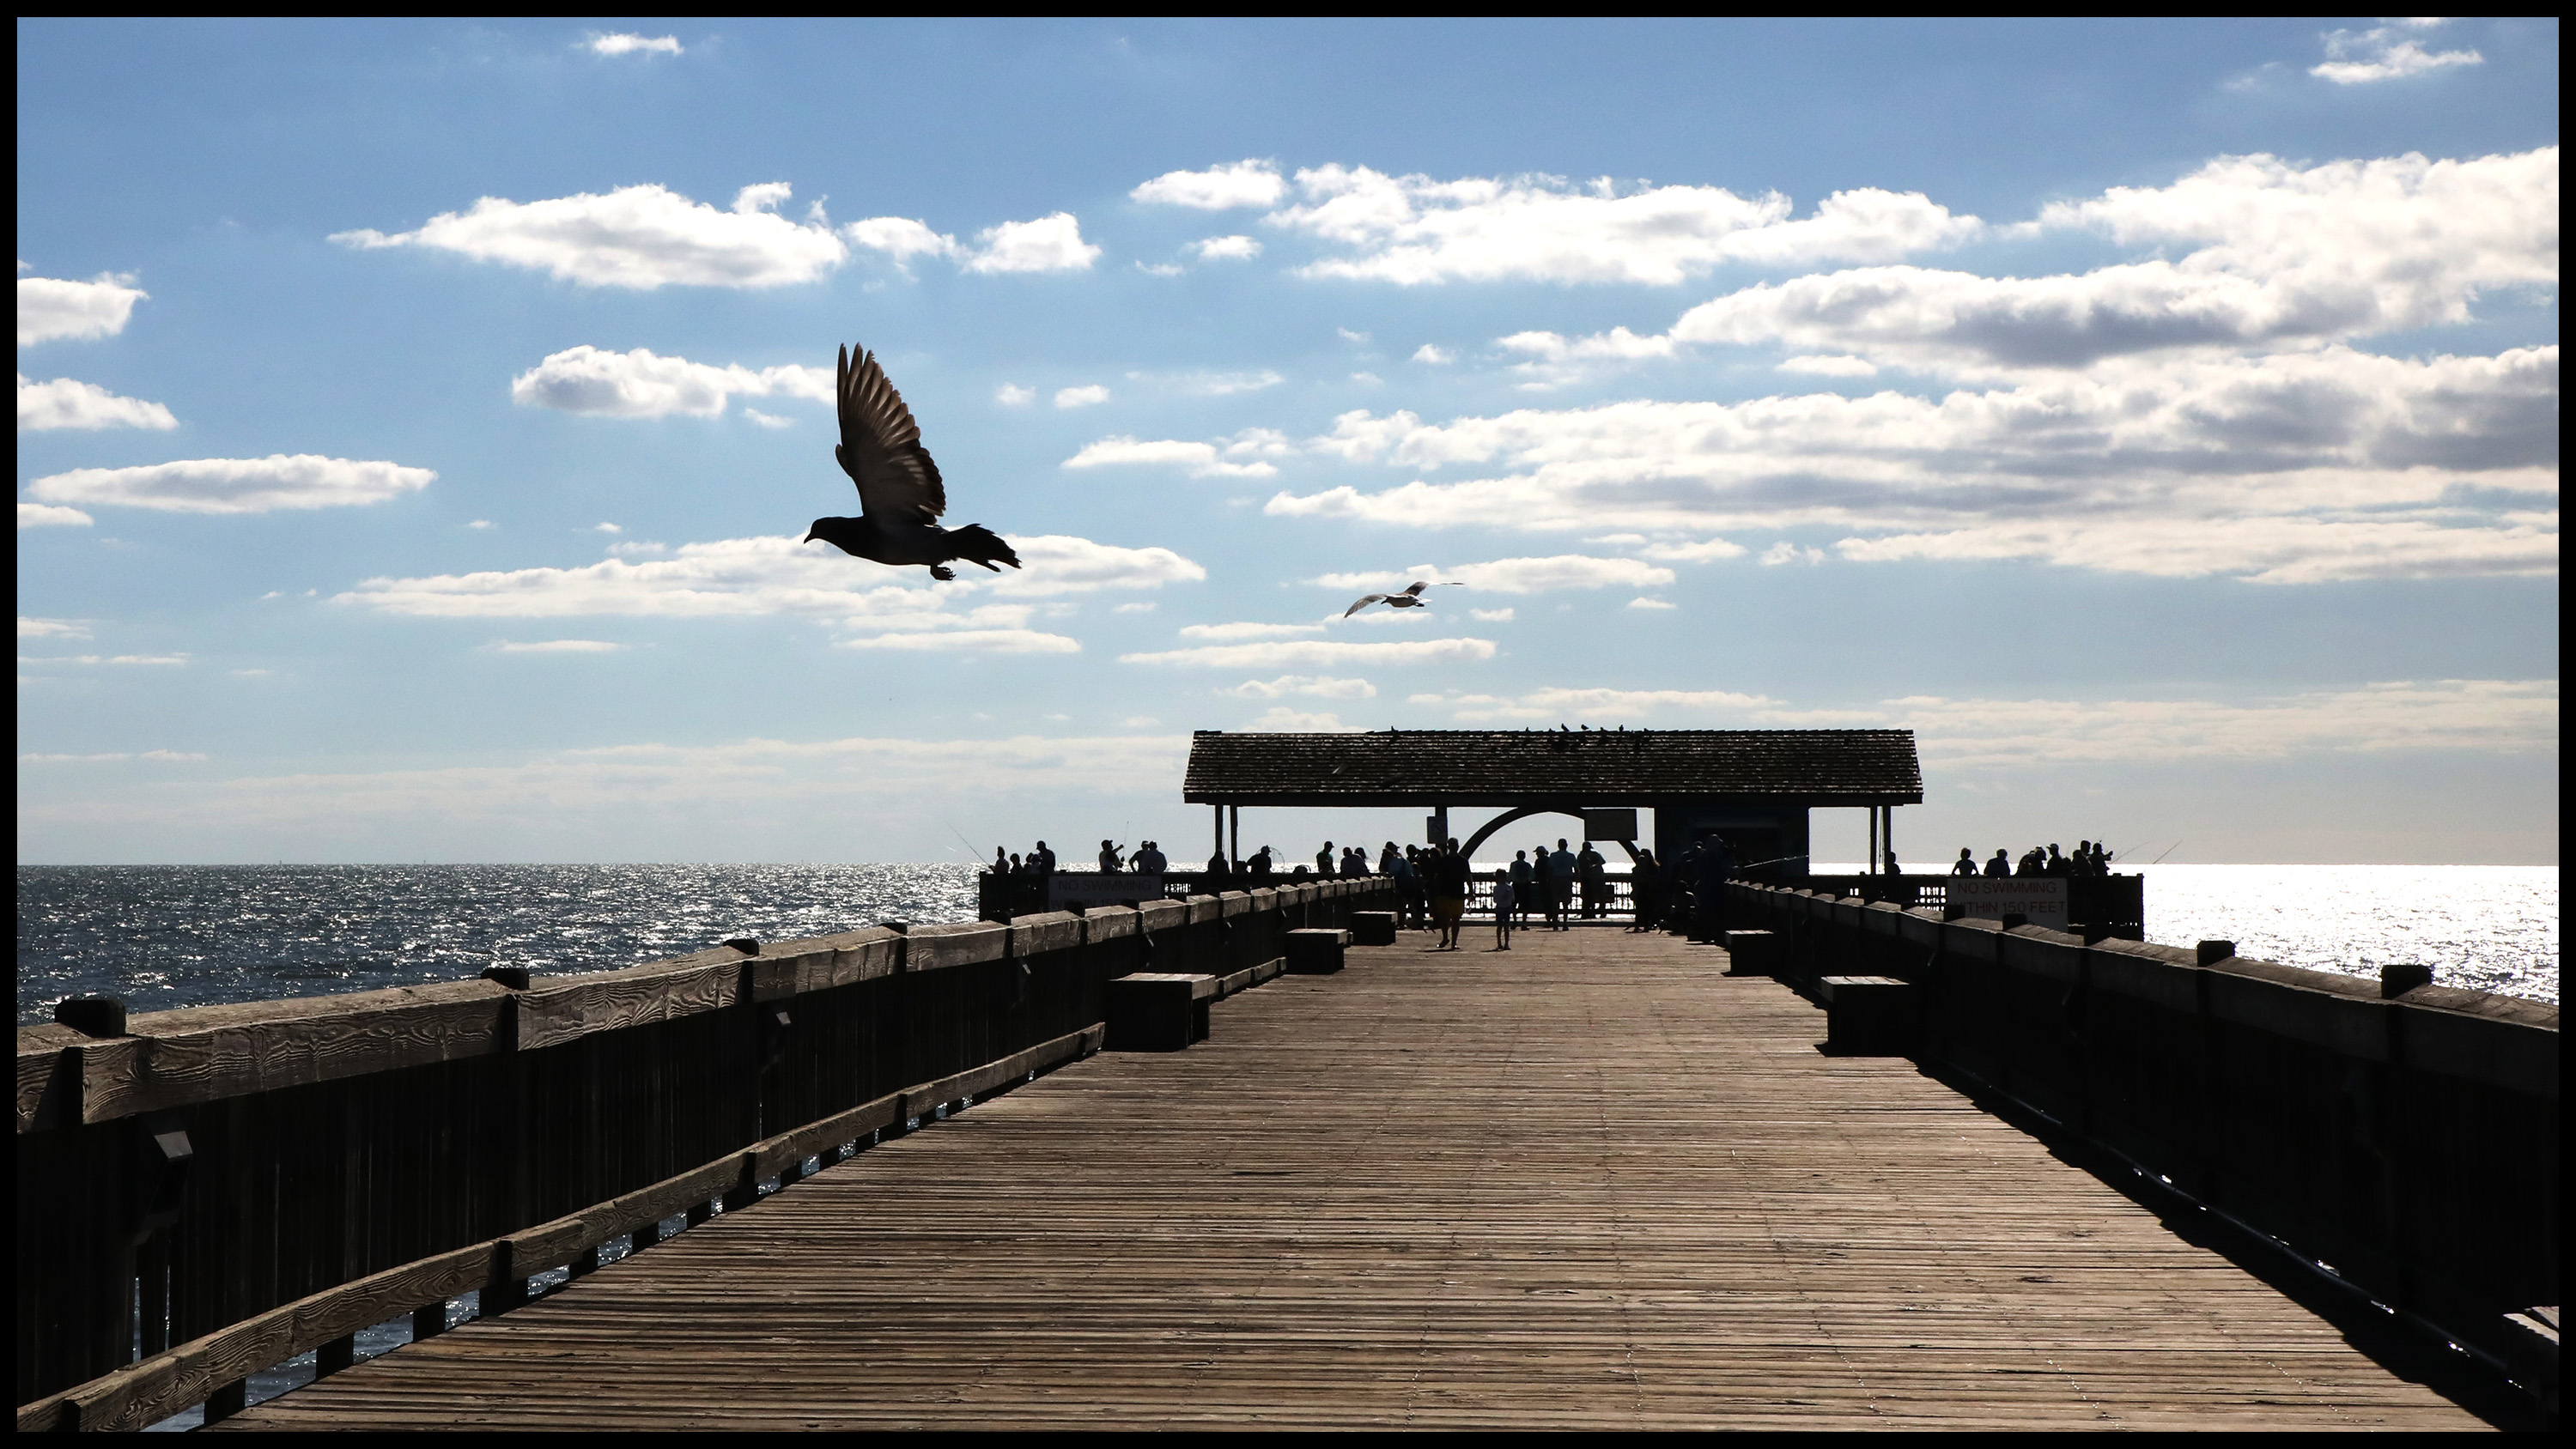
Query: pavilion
(1754, 788)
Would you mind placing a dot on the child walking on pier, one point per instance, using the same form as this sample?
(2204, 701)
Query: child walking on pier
(1505, 898)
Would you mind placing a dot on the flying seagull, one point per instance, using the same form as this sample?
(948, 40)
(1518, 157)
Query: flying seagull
(1411, 598)
(900, 496)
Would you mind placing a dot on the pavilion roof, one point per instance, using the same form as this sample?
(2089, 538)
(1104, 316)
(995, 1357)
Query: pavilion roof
(1582, 767)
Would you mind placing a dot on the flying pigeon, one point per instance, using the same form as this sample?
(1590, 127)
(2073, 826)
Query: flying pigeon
(1411, 598)
(900, 495)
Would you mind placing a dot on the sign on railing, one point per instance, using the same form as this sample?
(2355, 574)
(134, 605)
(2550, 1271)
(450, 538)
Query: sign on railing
(1100, 888)
(2039, 900)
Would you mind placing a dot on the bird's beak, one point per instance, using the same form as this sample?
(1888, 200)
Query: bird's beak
(808, 538)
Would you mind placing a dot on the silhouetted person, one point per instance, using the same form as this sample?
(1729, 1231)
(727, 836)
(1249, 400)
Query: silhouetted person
(1261, 864)
(1110, 864)
(1524, 882)
(1045, 859)
(1219, 873)
(1646, 892)
(1503, 903)
(2057, 865)
(1966, 864)
(1999, 867)
(1324, 861)
(1892, 867)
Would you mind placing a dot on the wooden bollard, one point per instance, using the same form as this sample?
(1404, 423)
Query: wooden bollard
(1158, 1011)
(1372, 928)
(1316, 952)
(1868, 1016)
(1750, 953)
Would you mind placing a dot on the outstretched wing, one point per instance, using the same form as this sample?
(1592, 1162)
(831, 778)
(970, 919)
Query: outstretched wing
(881, 447)
(1364, 603)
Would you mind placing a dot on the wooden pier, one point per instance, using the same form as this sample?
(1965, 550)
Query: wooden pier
(1594, 1182)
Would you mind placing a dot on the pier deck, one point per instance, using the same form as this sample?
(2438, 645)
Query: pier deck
(1592, 1182)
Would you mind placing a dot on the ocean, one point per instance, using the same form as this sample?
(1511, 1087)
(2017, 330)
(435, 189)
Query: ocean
(170, 936)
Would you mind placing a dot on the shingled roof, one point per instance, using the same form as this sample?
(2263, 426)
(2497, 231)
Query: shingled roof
(1587, 767)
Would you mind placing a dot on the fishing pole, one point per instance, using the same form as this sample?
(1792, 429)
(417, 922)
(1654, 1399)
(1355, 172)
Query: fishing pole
(2170, 849)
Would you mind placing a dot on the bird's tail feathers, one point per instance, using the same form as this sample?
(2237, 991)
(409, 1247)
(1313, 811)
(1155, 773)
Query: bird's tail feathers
(977, 544)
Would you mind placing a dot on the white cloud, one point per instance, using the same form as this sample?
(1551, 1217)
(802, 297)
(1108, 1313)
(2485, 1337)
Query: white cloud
(1215, 384)
(1701, 552)
(765, 420)
(1642, 602)
(1202, 460)
(1359, 338)
(640, 237)
(2385, 53)
(1519, 575)
(1490, 616)
(1084, 396)
(1048, 244)
(1160, 269)
(1226, 249)
(39, 515)
(626, 44)
(482, 523)
(1056, 564)
(557, 646)
(2274, 256)
(164, 756)
(1230, 633)
(639, 384)
(1011, 395)
(145, 659)
(901, 239)
(1146, 606)
(606, 528)
(235, 485)
(1280, 719)
(2487, 715)
(1317, 655)
(51, 628)
(2332, 463)
(1785, 552)
(1319, 686)
(862, 778)
(1434, 355)
(970, 641)
(1574, 705)
(1828, 365)
(1414, 230)
(51, 307)
(1219, 188)
(748, 577)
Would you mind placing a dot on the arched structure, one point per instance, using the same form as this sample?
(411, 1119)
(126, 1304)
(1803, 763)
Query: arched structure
(1523, 812)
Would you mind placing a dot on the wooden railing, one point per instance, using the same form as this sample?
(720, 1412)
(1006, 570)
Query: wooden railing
(2096, 905)
(215, 1190)
(2410, 1141)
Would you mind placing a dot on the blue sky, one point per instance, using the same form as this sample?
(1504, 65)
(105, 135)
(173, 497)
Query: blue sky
(416, 422)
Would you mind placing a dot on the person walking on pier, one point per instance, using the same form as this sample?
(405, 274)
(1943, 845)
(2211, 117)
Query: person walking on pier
(1645, 892)
(1560, 875)
(1408, 891)
(1504, 900)
(1543, 878)
(1448, 892)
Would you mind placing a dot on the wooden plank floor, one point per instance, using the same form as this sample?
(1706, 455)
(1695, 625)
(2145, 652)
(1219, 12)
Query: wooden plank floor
(1590, 1182)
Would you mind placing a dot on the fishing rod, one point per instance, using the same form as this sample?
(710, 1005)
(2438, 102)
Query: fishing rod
(2170, 849)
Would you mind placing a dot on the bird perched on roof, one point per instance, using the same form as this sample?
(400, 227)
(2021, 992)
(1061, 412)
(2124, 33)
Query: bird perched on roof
(900, 495)
(1411, 598)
